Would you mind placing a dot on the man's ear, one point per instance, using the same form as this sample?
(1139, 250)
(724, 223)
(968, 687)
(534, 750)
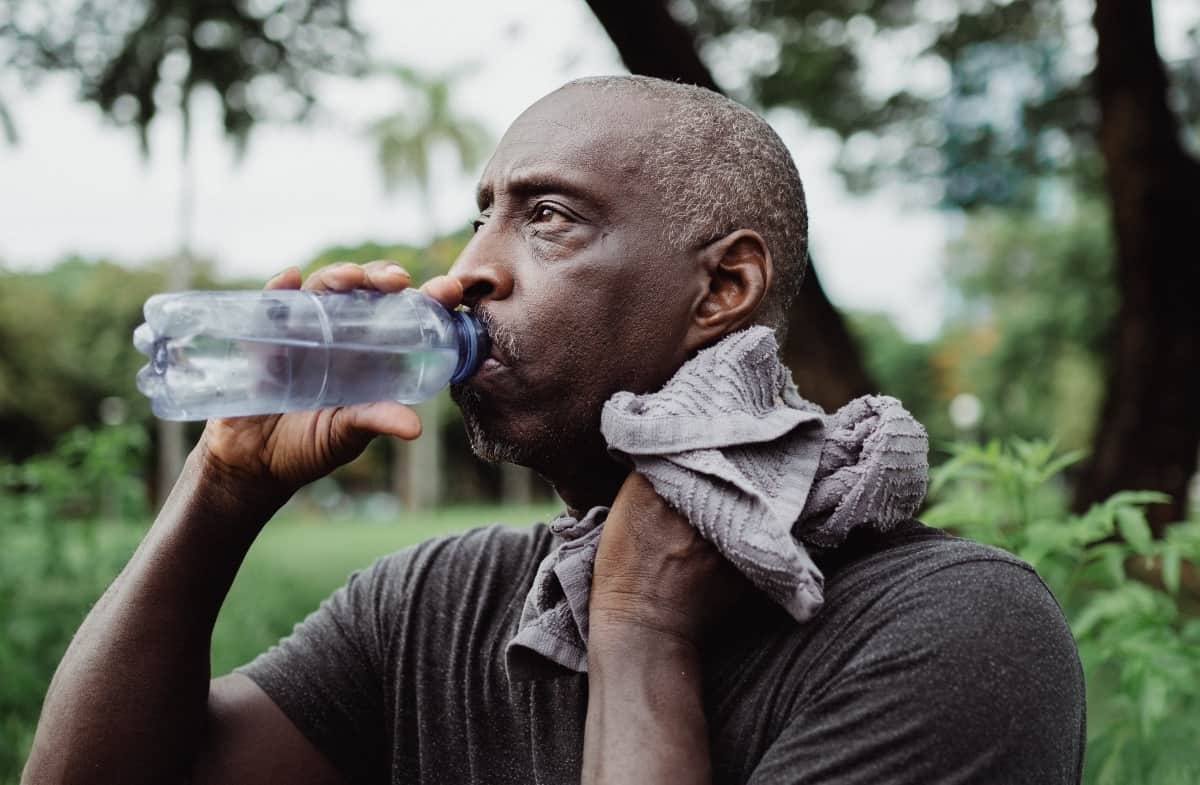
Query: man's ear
(738, 273)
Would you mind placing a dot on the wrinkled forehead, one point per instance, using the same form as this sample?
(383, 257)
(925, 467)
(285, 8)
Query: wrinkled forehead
(593, 139)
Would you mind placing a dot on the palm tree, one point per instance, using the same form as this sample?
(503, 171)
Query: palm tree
(406, 143)
(172, 437)
(8, 128)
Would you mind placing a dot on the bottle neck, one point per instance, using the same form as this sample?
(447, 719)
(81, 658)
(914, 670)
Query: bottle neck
(473, 345)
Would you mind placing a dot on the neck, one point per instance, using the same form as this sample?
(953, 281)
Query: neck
(587, 484)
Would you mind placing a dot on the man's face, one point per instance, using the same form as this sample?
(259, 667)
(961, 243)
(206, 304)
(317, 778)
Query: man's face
(568, 266)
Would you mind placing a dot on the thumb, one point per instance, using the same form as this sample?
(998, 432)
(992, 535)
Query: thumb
(381, 417)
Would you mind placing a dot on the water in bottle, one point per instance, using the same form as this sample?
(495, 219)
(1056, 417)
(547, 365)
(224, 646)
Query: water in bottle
(228, 354)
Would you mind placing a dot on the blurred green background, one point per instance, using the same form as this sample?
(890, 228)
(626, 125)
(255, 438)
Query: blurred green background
(1059, 388)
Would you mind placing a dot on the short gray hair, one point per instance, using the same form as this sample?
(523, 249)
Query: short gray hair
(722, 168)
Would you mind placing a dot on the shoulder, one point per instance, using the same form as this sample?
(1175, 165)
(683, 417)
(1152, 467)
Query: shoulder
(923, 579)
(916, 568)
(935, 659)
(497, 546)
(968, 632)
(487, 559)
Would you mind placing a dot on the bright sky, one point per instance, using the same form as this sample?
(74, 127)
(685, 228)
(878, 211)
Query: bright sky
(77, 184)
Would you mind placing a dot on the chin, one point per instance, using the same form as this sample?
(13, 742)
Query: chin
(492, 434)
(525, 438)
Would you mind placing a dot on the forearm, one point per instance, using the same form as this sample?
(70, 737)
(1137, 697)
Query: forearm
(128, 701)
(645, 718)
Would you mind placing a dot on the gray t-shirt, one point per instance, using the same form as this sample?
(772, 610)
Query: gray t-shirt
(934, 660)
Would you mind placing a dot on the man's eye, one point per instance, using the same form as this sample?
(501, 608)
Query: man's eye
(545, 213)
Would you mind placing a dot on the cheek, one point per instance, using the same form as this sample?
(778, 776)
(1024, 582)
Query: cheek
(623, 338)
(551, 247)
(610, 316)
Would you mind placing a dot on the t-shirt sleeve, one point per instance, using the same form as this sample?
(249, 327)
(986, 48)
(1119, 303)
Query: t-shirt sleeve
(327, 675)
(968, 675)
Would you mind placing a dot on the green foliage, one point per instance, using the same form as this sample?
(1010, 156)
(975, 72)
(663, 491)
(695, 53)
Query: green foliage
(54, 563)
(1121, 590)
(261, 59)
(66, 345)
(1027, 333)
(66, 340)
(1036, 301)
(905, 369)
(978, 102)
(421, 263)
(90, 474)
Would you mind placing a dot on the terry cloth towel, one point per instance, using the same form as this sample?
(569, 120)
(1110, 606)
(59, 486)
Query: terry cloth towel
(729, 443)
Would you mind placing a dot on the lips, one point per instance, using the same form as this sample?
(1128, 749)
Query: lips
(496, 354)
(493, 363)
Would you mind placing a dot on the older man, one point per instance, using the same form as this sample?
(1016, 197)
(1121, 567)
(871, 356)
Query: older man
(625, 224)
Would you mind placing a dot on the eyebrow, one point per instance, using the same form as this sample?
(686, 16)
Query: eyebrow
(533, 183)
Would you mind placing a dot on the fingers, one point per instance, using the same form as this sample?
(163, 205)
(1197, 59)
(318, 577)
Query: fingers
(385, 276)
(446, 290)
(382, 417)
(382, 275)
(288, 279)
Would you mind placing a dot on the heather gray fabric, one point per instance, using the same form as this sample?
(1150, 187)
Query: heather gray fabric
(933, 661)
(731, 445)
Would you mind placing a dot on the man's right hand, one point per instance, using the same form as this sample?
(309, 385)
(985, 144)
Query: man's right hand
(277, 454)
(129, 704)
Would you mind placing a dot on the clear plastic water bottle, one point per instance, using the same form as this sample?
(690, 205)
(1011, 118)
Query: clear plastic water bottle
(235, 353)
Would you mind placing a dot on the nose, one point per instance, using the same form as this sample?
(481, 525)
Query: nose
(484, 269)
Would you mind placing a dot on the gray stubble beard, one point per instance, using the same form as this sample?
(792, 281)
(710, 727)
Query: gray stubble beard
(483, 444)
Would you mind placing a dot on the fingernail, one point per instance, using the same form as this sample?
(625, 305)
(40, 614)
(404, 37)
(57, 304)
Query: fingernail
(395, 269)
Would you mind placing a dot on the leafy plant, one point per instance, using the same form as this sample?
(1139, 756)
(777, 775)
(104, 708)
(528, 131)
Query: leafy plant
(54, 562)
(1123, 593)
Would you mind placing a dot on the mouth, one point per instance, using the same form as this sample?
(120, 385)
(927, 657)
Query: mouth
(501, 347)
(494, 363)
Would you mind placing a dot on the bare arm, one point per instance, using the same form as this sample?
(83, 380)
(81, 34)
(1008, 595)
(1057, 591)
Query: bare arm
(657, 588)
(645, 719)
(131, 701)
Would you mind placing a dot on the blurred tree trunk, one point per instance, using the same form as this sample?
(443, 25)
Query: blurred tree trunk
(172, 436)
(821, 352)
(1148, 431)
(516, 484)
(418, 475)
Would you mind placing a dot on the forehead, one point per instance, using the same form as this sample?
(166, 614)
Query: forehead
(588, 139)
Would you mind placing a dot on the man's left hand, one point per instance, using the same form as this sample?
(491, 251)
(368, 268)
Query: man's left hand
(657, 589)
(655, 574)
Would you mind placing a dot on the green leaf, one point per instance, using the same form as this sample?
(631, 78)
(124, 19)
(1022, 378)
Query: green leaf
(1060, 463)
(1129, 498)
(1171, 562)
(1110, 772)
(1112, 556)
(1153, 704)
(1131, 522)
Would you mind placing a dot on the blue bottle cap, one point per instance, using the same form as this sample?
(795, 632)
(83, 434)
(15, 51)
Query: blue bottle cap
(474, 345)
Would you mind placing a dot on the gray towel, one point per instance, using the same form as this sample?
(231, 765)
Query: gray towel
(729, 443)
